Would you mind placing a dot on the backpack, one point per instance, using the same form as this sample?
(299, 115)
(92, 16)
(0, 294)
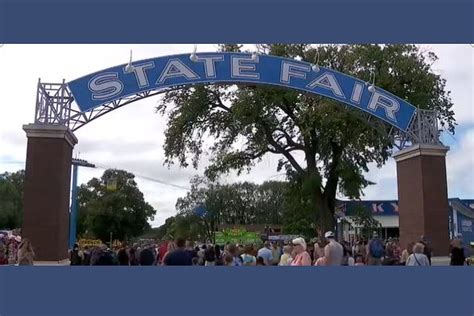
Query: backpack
(376, 248)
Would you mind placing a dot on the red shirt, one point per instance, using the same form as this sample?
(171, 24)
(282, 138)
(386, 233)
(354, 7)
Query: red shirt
(162, 251)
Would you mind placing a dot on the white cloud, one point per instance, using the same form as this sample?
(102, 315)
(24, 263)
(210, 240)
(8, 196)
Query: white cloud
(456, 65)
(132, 137)
(460, 167)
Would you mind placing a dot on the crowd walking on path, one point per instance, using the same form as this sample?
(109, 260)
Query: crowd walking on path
(321, 252)
(180, 252)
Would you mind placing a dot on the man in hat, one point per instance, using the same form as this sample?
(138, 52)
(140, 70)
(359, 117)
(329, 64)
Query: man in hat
(333, 252)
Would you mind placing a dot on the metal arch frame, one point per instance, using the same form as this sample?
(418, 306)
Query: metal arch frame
(55, 106)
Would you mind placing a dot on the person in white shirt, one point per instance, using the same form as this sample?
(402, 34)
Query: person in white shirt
(333, 252)
(418, 258)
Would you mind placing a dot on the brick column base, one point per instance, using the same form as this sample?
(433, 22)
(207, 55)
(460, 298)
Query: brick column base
(46, 191)
(423, 196)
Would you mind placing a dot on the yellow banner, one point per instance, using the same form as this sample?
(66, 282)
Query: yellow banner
(90, 243)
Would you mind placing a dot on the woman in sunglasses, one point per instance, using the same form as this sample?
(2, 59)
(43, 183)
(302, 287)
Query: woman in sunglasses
(301, 256)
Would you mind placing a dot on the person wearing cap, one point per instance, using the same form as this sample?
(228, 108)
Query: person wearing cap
(333, 252)
(302, 257)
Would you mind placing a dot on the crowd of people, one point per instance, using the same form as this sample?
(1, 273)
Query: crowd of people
(15, 251)
(326, 251)
(323, 252)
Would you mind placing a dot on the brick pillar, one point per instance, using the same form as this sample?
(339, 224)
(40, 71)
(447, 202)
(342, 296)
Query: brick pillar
(423, 196)
(46, 191)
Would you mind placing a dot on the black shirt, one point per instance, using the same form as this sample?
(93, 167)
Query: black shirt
(192, 253)
(427, 250)
(179, 257)
(147, 258)
(457, 256)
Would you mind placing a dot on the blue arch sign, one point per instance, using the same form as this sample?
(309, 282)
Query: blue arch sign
(232, 68)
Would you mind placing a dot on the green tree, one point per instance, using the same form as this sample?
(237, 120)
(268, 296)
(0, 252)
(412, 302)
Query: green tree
(161, 232)
(11, 199)
(320, 141)
(121, 211)
(300, 217)
(364, 219)
(237, 203)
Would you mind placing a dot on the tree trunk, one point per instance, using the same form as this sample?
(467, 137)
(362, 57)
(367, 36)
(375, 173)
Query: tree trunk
(325, 220)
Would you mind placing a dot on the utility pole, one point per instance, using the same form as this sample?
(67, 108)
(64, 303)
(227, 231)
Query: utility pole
(73, 215)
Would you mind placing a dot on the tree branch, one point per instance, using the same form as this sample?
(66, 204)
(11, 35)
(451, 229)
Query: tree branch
(289, 139)
(218, 99)
(282, 150)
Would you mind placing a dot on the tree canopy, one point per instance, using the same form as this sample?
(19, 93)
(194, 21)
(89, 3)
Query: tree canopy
(364, 219)
(322, 144)
(120, 210)
(11, 199)
(210, 204)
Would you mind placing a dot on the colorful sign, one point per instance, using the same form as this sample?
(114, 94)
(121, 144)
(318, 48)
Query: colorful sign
(90, 243)
(237, 236)
(376, 207)
(171, 72)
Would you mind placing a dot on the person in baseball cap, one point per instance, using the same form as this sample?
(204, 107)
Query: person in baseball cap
(329, 235)
(333, 252)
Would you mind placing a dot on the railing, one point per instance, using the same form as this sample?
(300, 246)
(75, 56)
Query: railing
(55, 106)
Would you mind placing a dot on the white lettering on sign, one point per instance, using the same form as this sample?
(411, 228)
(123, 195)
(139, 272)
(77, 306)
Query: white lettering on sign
(357, 92)
(210, 64)
(466, 225)
(377, 208)
(327, 81)
(105, 86)
(242, 67)
(390, 105)
(140, 73)
(176, 68)
(395, 207)
(289, 69)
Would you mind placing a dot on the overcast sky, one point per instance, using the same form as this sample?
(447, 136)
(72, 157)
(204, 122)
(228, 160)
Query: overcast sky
(132, 137)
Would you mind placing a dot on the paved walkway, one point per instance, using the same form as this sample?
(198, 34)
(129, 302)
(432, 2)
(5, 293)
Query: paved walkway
(440, 261)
